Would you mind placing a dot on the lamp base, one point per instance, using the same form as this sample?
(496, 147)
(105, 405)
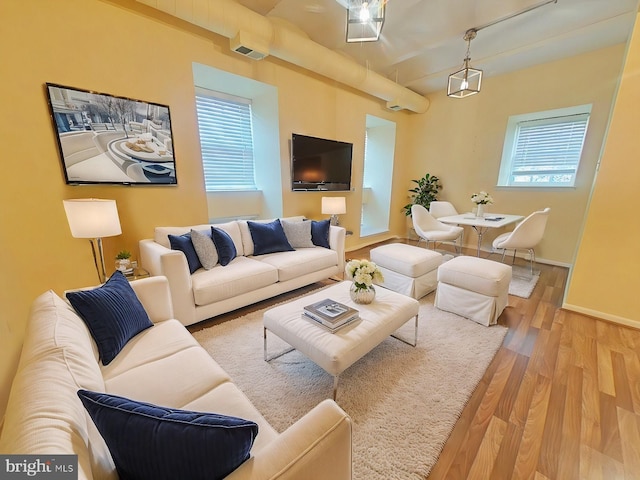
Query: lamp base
(98, 258)
(334, 220)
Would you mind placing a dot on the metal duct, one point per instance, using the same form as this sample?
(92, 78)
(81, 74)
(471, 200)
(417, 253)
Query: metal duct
(232, 20)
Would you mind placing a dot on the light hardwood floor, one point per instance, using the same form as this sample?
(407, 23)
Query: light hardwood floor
(561, 399)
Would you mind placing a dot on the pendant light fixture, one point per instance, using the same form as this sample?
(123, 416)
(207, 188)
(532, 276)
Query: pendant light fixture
(364, 20)
(467, 81)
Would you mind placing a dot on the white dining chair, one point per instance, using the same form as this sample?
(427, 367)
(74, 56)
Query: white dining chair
(440, 208)
(526, 236)
(431, 230)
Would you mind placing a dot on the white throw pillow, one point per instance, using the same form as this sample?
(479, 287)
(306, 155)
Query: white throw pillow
(205, 248)
(298, 233)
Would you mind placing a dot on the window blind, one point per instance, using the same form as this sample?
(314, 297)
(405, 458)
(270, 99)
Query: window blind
(226, 141)
(547, 151)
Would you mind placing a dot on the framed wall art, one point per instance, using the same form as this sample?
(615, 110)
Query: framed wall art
(105, 139)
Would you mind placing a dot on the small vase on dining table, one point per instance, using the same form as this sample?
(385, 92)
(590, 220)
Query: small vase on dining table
(480, 210)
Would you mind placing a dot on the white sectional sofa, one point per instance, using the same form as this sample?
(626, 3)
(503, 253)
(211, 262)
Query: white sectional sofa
(162, 365)
(246, 279)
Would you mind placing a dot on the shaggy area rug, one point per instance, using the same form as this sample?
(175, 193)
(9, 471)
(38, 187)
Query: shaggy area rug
(403, 401)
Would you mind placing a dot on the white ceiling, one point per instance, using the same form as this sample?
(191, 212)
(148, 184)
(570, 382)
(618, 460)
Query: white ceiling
(422, 40)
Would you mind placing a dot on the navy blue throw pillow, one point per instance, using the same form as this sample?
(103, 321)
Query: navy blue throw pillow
(113, 314)
(320, 232)
(185, 245)
(151, 442)
(268, 237)
(224, 246)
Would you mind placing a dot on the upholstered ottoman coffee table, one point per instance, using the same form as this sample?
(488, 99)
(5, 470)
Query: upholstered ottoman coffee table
(475, 288)
(335, 352)
(407, 269)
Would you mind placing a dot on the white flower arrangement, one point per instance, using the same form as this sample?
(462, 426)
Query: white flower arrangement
(363, 273)
(482, 198)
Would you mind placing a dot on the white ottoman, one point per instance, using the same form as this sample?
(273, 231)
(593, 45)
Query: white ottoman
(474, 288)
(335, 352)
(406, 269)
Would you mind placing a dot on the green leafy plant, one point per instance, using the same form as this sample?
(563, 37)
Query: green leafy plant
(123, 255)
(424, 193)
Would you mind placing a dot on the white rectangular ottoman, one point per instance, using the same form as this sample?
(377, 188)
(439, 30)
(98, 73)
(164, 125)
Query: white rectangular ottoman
(407, 269)
(335, 352)
(474, 288)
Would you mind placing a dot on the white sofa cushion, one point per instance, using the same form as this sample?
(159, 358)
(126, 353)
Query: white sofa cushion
(170, 381)
(228, 399)
(300, 262)
(163, 340)
(241, 275)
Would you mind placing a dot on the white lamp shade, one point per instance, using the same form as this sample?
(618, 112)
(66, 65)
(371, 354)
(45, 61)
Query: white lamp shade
(92, 218)
(334, 205)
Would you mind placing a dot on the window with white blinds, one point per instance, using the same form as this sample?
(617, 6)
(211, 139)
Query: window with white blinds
(544, 149)
(226, 140)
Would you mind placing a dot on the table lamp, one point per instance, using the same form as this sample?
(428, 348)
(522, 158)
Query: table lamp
(94, 219)
(334, 206)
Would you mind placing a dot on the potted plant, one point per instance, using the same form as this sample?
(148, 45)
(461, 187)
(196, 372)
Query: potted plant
(123, 261)
(424, 193)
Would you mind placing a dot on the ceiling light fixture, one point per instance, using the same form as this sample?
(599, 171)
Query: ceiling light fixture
(467, 81)
(364, 20)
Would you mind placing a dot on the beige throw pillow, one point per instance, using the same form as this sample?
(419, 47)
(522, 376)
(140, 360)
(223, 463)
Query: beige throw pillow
(298, 233)
(205, 248)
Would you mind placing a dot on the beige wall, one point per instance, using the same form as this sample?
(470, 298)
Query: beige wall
(125, 48)
(460, 141)
(605, 278)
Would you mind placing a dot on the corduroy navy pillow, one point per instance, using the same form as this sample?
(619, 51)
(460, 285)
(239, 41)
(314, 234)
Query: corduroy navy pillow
(320, 232)
(224, 246)
(158, 443)
(113, 314)
(268, 237)
(185, 245)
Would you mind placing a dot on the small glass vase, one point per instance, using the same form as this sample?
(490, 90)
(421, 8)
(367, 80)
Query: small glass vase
(480, 210)
(363, 296)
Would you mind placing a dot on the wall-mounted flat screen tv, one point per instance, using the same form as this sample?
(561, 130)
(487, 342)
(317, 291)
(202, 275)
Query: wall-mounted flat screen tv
(320, 164)
(104, 139)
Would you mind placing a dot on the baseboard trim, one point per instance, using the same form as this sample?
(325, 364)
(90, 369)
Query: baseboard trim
(378, 239)
(525, 257)
(628, 322)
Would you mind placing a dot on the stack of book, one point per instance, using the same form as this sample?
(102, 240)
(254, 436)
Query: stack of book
(330, 314)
